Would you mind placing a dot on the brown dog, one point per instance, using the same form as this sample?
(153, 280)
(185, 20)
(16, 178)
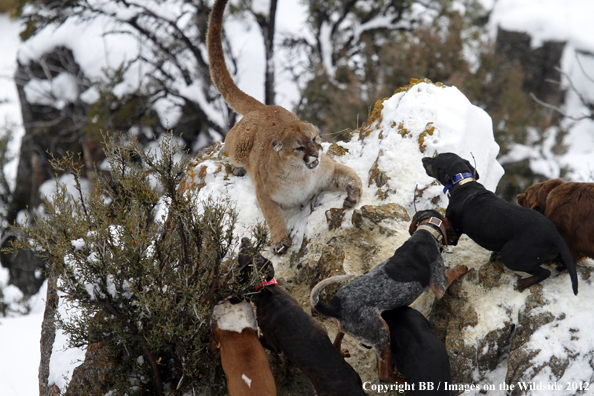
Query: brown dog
(570, 206)
(242, 355)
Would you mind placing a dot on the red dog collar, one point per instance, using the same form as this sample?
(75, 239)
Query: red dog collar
(267, 283)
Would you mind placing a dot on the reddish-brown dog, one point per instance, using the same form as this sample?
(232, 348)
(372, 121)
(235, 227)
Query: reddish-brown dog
(242, 355)
(570, 206)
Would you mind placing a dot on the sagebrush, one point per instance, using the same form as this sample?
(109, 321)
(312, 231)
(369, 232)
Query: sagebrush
(141, 264)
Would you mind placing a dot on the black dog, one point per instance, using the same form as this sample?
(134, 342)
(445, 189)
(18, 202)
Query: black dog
(287, 328)
(418, 354)
(525, 238)
(396, 282)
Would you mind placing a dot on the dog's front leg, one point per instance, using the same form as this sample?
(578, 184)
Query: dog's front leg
(451, 275)
(455, 273)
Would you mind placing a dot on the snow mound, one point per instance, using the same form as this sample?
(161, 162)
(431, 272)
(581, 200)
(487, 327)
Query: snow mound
(417, 121)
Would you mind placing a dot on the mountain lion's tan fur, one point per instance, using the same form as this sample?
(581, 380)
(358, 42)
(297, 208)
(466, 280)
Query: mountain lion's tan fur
(281, 154)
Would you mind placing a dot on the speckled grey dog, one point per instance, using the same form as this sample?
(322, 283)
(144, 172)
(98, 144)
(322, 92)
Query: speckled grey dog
(398, 281)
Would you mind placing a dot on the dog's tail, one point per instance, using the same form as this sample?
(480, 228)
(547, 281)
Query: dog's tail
(567, 259)
(314, 298)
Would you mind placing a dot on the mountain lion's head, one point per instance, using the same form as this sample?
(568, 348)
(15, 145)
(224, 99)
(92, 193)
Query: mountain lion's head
(299, 142)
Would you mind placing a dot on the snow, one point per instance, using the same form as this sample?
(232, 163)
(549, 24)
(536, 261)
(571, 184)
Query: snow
(234, 317)
(49, 187)
(10, 110)
(19, 346)
(569, 21)
(63, 359)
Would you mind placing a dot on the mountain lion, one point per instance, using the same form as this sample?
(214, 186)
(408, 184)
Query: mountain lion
(281, 154)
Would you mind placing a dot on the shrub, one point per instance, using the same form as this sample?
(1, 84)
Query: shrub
(143, 263)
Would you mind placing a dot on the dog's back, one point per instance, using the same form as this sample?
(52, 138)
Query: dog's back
(417, 352)
(289, 329)
(489, 220)
(568, 206)
(397, 281)
(242, 356)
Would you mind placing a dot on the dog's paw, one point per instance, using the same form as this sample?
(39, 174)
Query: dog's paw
(282, 247)
(345, 353)
(523, 284)
(461, 270)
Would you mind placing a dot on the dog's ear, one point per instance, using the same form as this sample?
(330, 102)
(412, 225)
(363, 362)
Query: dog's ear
(452, 235)
(265, 266)
(543, 192)
(244, 258)
(472, 169)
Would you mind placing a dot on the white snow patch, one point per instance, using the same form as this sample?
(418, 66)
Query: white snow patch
(234, 317)
(64, 359)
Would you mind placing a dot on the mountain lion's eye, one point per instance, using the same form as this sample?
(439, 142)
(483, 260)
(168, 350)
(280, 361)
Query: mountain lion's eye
(301, 148)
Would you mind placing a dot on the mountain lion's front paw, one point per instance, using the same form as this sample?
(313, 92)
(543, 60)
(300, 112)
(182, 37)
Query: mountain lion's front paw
(282, 246)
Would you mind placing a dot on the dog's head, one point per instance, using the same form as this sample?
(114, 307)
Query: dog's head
(446, 165)
(253, 264)
(426, 214)
(536, 195)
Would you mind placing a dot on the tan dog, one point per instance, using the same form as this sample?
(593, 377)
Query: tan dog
(570, 206)
(242, 355)
(281, 154)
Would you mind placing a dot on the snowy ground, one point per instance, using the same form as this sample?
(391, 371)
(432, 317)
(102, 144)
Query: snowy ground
(550, 19)
(19, 343)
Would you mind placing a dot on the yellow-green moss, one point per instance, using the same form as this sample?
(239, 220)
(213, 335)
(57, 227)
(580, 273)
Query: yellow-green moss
(415, 81)
(402, 131)
(376, 115)
(429, 130)
(336, 150)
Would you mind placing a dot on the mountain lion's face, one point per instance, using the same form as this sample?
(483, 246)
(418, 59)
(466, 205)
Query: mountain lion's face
(299, 142)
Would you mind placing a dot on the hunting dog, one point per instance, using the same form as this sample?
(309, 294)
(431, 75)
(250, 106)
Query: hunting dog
(570, 206)
(396, 282)
(526, 239)
(418, 353)
(287, 328)
(243, 358)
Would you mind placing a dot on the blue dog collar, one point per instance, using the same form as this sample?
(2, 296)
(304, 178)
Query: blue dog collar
(456, 179)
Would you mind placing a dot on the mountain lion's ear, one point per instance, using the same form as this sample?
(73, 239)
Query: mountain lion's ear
(277, 146)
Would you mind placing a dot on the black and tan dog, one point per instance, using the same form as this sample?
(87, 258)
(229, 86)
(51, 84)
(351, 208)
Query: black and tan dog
(525, 238)
(418, 353)
(287, 328)
(396, 282)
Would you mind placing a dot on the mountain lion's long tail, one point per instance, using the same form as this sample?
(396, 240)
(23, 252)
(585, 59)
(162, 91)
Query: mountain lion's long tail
(314, 298)
(235, 98)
